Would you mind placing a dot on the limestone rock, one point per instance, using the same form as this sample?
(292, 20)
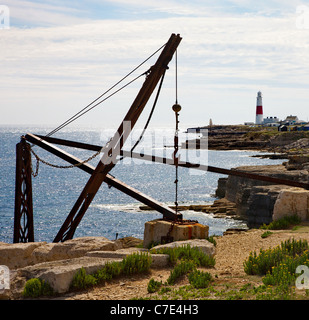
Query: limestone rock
(221, 188)
(128, 242)
(158, 260)
(203, 245)
(59, 274)
(235, 185)
(298, 162)
(18, 255)
(261, 203)
(73, 248)
(292, 201)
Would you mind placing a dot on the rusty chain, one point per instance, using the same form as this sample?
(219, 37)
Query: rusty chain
(38, 160)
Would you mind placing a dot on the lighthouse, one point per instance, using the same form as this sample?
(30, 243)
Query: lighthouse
(259, 109)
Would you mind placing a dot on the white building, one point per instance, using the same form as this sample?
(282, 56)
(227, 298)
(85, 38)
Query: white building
(271, 122)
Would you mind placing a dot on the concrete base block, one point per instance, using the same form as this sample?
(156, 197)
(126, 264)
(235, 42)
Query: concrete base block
(156, 229)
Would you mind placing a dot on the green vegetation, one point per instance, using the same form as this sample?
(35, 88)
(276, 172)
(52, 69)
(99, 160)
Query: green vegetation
(212, 239)
(110, 271)
(266, 234)
(185, 260)
(132, 264)
(136, 263)
(278, 266)
(181, 269)
(199, 279)
(82, 280)
(36, 287)
(153, 285)
(275, 266)
(283, 223)
(262, 263)
(187, 253)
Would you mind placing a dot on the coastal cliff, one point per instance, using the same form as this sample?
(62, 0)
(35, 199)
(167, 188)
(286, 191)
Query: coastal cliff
(255, 201)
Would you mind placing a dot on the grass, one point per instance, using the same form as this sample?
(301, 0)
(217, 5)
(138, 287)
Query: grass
(187, 253)
(278, 266)
(262, 263)
(36, 287)
(200, 279)
(153, 285)
(283, 223)
(82, 280)
(266, 234)
(226, 291)
(185, 260)
(135, 263)
(181, 269)
(108, 272)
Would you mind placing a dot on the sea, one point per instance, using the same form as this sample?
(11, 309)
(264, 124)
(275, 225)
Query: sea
(112, 212)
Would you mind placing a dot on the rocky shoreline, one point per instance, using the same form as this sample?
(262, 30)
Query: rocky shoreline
(233, 137)
(255, 201)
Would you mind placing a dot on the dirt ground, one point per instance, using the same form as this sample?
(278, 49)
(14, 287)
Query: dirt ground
(231, 251)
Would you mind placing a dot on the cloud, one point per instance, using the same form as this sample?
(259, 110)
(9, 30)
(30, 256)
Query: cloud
(30, 14)
(51, 73)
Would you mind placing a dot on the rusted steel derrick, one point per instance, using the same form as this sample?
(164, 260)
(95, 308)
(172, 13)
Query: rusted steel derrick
(99, 174)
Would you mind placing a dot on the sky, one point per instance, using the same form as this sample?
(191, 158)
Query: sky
(58, 56)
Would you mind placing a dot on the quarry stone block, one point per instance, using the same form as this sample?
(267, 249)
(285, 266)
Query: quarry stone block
(18, 255)
(156, 229)
(73, 248)
(59, 274)
(293, 201)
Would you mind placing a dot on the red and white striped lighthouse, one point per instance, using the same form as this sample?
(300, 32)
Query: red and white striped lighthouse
(259, 109)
